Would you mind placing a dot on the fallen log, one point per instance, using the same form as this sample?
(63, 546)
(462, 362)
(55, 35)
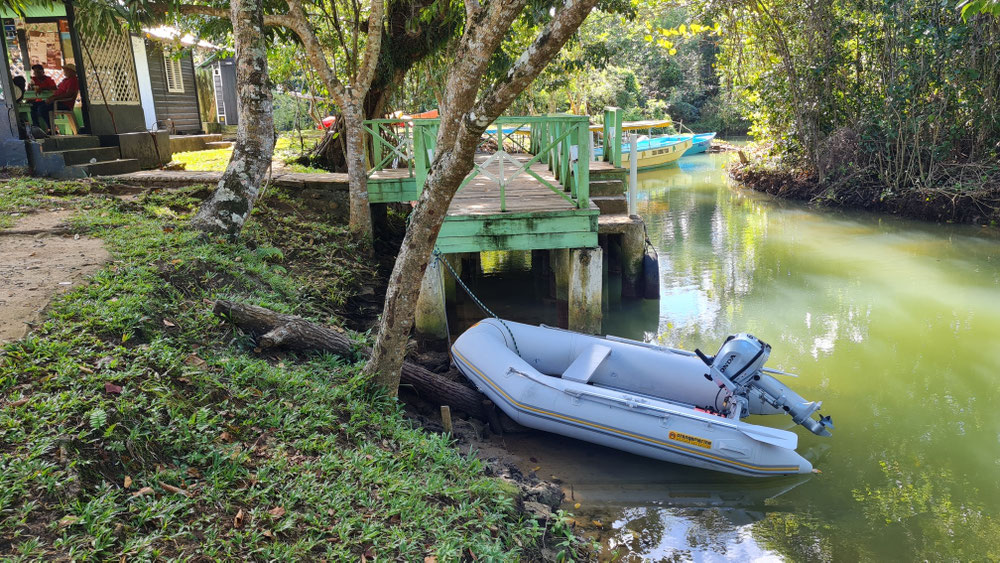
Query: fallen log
(273, 329)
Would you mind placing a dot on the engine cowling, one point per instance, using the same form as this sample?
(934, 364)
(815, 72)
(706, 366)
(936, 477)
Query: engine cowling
(739, 367)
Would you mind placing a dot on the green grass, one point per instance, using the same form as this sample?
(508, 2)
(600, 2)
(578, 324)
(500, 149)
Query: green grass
(286, 149)
(228, 454)
(20, 195)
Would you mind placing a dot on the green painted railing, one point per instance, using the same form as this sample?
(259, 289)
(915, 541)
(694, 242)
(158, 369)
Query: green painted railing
(389, 144)
(561, 142)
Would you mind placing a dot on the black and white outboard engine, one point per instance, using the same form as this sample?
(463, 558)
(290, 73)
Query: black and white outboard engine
(739, 367)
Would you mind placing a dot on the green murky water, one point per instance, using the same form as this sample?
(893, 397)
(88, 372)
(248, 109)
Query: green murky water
(894, 325)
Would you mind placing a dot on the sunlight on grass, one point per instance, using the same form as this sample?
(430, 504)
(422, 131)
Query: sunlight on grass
(286, 149)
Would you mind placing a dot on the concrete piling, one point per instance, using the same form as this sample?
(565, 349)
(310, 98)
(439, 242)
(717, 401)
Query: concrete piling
(431, 322)
(633, 250)
(585, 290)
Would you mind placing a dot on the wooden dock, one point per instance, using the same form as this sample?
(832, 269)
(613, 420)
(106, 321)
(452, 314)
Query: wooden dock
(536, 216)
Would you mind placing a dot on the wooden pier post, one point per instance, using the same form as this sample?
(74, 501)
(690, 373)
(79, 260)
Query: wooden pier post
(633, 249)
(431, 322)
(585, 290)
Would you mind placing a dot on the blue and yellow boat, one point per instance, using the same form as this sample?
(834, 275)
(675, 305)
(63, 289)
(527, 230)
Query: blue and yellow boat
(660, 150)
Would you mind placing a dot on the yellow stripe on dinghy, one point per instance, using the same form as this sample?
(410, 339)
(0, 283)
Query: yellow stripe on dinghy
(793, 469)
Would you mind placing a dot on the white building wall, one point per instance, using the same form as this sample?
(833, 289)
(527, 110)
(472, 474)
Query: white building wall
(145, 87)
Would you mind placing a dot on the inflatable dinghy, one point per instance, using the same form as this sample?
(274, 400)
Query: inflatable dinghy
(657, 402)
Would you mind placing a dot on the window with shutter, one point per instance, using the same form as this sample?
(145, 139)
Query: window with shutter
(175, 77)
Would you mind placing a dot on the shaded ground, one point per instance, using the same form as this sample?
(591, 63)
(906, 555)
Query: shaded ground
(40, 264)
(134, 423)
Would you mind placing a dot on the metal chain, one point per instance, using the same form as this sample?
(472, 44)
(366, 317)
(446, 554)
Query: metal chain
(649, 243)
(439, 257)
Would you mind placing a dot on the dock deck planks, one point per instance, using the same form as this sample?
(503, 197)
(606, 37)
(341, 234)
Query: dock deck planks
(524, 194)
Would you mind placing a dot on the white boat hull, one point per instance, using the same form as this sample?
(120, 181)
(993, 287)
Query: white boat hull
(621, 404)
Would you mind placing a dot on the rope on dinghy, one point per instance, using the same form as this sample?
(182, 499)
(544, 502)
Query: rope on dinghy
(439, 256)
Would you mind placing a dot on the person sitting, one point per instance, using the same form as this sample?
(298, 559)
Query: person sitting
(19, 87)
(64, 98)
(41, 82)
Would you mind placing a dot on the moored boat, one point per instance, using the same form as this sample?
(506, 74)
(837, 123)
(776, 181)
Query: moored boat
(700, 143)
(657, 402)
(658, 151)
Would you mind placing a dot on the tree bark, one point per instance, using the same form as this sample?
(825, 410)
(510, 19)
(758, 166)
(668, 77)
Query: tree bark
(349, 97)
(463, 120)
(274, 330)
(357, 170)
(230, 205)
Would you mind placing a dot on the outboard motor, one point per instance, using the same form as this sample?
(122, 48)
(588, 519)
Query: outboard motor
(739, 367)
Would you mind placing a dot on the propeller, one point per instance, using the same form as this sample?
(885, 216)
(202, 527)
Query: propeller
(826, 421)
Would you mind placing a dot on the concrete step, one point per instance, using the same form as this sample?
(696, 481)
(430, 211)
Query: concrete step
(611, 204)
(70, 142)
(609, 174)
(84, 156)
(218, 145)
(606, 187)
(109, 167)
(188, 143)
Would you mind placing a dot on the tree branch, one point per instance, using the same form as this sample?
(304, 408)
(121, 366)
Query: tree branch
(299, 23)
(481, 39)
(373, 46)
(273, 20)
(472, 8)
(534, 59)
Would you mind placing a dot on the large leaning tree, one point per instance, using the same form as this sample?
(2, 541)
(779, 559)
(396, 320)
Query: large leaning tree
(466, 111)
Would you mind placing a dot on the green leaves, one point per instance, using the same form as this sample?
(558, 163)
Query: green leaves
(970, 8)
(97, 418)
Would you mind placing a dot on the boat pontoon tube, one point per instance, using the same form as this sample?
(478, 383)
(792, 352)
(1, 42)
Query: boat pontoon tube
(626, 395)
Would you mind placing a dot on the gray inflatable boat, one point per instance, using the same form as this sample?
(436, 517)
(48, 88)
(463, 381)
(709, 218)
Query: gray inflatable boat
(657, 402)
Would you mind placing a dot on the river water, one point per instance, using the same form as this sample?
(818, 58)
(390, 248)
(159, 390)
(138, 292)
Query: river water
(893, 324)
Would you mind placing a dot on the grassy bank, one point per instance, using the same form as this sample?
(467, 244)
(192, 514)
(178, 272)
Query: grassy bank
(136, 425)
(962, 193)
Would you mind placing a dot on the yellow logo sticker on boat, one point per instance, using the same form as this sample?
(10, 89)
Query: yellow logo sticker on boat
(693, 440)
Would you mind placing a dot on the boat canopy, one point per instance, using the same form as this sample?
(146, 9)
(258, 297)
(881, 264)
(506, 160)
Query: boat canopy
(636, 125)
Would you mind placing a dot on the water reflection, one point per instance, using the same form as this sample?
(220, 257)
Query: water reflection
(893, 324)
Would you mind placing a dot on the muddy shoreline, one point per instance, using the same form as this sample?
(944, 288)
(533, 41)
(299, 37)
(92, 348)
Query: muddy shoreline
(973, 206)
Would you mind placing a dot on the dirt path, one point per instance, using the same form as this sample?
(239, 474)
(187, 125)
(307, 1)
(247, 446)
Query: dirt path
(36, 267)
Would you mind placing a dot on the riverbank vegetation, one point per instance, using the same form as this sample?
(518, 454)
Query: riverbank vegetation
(134, 423)
(892, 106)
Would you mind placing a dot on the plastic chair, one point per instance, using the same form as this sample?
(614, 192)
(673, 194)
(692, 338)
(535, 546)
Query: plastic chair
(70, 116)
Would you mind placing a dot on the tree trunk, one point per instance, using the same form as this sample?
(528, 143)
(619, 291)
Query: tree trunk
(408, 271)
(289, 331)
(231, 203)
(464, 117)
(357, 170)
